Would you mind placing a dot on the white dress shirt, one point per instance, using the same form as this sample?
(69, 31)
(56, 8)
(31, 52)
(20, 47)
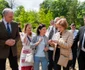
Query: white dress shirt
(5, 23)
(74, 33)
(49, 29)
(47, 34)
(83, 49)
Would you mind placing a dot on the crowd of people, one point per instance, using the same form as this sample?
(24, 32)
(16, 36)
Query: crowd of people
(51, 48)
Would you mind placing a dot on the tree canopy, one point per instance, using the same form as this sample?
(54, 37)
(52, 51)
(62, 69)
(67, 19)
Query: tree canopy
(72, 10)
(3, 4)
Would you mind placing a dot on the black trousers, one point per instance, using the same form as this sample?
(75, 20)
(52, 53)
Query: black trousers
(59, 67)
(52, 64)
(57, 55)
(74, 51)
(81, 60)
(12, 61)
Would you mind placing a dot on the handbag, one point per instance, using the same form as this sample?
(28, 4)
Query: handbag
(29, 57)
(63, 60)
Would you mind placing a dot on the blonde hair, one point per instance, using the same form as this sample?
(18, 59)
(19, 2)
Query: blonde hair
(25, 27)
(56, 19)
(62, 22)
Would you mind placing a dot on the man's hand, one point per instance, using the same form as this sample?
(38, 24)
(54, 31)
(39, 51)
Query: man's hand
(10, 42)
(49, 42)
(46, 49)
(52, 43)
(55, 41)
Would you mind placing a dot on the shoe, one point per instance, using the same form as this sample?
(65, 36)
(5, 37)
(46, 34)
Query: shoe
(72, 68)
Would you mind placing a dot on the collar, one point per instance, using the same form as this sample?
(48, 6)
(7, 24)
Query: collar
(4, 21)
(64, 32)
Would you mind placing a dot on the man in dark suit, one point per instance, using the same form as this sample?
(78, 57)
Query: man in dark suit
(74, 31)
(80, 38)
(9, 36)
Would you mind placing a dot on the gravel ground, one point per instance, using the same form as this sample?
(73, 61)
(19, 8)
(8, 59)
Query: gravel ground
(8, 66)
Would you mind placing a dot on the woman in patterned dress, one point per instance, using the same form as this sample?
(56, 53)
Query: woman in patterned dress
(26, 37)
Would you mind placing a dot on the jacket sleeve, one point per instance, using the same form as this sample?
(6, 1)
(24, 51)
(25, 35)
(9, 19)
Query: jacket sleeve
(76, 38)
(33, 42)
(17, 34)
(47, 45)
(66, 44)
(2, 43)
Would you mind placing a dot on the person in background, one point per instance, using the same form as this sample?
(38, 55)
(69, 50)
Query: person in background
(52, 23)
(40, 45)
(80, 42)
(20, 30)
(63, 41)
(52, 29)
(50, 32)
(73, 30)
(74, 48)
(9, 35)
(26, 38)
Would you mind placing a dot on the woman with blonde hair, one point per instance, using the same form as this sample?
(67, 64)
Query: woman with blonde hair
(62, 42)
(26, 37)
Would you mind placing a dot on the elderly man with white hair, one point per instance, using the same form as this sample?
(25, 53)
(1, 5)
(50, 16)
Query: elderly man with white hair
(50, 32)
(9, 36)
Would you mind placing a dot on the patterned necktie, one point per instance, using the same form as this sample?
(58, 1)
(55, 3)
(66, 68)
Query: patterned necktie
(51, 33)
(8, 28)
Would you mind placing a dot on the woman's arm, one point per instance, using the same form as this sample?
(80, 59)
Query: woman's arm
(66, 44)
(34, 42)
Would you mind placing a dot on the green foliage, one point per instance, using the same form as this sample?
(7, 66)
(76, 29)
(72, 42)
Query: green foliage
(49, 9)
(70, 9)
(3, 4)
(24, 17)
(81, 13)
(32, 17)
(45, 18)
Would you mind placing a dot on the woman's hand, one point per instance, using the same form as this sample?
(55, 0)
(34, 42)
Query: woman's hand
(38, 41)
(46, 49)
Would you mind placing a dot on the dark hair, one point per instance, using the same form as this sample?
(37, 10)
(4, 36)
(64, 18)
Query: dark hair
(39, 28)
(18, 23)
(73, 24)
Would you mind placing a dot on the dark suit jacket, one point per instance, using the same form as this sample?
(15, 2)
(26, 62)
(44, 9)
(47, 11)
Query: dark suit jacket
(79, 38)
(5, 49)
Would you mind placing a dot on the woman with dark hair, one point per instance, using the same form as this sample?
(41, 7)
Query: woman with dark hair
(40, 44)
(26, 37)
